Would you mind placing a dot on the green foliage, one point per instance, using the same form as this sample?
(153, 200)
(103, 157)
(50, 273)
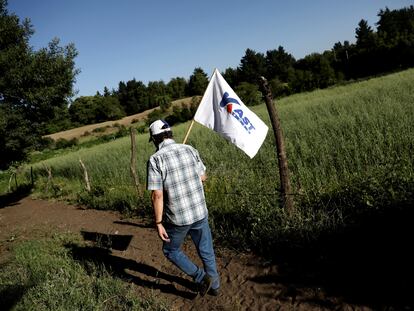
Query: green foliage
(64, 143)
(252, 66)
(232, 77)
(279, 89)
(249, 93)
(198, 82)
(94, 109)
(157, 93)
(365, 35)
(108, 108)
(133, 96)
(179, 115)
(313, 71)
(163, 101)
(44, 275)
(82, 110)
(279, 63)
(34, 86)
(177, 87)
(154, 115)
(16, 137)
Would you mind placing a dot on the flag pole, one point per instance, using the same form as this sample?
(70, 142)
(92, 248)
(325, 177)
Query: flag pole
(192, 121)
(188, 131)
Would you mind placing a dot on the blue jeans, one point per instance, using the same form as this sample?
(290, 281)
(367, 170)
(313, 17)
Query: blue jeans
(201, 235)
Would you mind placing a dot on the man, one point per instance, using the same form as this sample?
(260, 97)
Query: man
(175, 176)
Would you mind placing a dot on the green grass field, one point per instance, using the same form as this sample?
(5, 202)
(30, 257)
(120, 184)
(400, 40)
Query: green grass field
(350, 150)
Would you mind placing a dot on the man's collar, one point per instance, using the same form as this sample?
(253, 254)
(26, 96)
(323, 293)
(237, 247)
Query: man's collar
(166, 142)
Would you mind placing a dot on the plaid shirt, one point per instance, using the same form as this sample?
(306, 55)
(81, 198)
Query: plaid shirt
(176, 169)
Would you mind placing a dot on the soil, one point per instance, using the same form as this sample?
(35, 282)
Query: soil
(134, 253)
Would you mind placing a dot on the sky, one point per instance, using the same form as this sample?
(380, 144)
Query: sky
(155, 40)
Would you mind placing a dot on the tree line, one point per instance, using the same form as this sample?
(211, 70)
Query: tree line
(389, 48)
(36, 87)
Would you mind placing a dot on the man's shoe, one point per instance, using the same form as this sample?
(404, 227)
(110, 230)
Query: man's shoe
(214, 291)
(204, 286)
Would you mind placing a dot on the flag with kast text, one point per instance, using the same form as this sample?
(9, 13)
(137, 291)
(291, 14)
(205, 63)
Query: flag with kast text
(222, 111)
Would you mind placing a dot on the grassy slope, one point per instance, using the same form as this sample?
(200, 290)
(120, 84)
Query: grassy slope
(350, 148)
(128, 120)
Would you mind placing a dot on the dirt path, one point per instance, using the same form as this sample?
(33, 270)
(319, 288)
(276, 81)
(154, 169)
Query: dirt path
(246, 282)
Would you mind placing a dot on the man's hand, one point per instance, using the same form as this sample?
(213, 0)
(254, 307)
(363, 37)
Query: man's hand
(157, 198)
(162, 233)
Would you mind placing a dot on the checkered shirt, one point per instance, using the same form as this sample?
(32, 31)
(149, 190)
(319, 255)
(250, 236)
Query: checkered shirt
(176, 169)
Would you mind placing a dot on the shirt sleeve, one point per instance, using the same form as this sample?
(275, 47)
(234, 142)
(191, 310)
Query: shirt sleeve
(154, 177)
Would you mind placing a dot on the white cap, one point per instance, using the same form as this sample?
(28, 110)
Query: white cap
(158, 127)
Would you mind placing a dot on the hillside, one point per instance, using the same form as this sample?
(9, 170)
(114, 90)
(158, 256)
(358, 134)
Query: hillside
(128, 120)
(351, 162)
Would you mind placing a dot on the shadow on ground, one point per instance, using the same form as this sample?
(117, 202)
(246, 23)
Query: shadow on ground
(114, 241)
(10, 199)
(11, 295)
(119, 266)
(369, 263)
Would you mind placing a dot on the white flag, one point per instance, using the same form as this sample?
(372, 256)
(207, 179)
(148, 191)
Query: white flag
(222, 111)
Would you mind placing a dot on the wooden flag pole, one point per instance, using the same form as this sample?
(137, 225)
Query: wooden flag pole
(188, 131)
(192, 121)
(287, 199)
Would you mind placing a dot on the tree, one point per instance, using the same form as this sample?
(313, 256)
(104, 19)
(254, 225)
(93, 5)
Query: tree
(313, 71)
(107, 108)
(93, 109)
(106, 92)
(198, 82)
(157, 94)
(82, 110)
(16, 138)
(252, 66)
(396, 24)
(132, 96)
(35, 86)
(365, 36)
(177, 87)
(232, 76)
(396, 35)
(278, 63)
(249, 93)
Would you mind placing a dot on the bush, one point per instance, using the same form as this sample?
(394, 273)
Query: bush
(62, 143)
(249, 94)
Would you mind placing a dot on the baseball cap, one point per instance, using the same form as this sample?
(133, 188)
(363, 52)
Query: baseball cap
(158, 127)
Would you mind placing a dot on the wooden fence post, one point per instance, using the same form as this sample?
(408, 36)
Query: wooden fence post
(86, 177)
(10, 180)
(286, 191)
(133, 162)
(49, 177)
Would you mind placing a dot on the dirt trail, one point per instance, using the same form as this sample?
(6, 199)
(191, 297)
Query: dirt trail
(246, 281)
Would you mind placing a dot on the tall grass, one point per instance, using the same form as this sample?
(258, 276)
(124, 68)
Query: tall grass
(42, 275)
(350, 149)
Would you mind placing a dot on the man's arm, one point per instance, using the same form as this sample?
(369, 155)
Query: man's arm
(157, 198)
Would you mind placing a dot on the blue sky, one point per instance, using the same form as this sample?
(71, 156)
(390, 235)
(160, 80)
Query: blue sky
(162, 39)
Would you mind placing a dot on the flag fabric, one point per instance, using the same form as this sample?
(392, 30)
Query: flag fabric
(222, 111)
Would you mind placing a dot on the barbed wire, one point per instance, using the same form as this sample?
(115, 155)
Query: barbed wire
(250, 193)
